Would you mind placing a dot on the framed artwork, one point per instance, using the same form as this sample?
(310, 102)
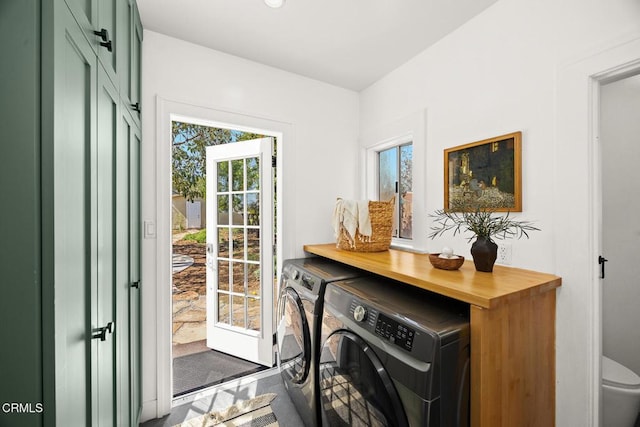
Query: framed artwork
(485, 173)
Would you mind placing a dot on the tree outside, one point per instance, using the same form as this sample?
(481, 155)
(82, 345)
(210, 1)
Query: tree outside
(189, 142)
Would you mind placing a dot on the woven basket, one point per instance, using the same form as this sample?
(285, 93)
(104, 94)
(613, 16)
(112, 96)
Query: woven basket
(381, 216)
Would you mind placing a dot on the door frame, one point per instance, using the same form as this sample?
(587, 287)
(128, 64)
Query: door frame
(596, 82)
(159, 258)
(577, 126)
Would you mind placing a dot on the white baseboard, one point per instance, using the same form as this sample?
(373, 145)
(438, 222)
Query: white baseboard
(149, 411)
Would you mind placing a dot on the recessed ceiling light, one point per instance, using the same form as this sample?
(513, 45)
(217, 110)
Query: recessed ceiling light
(274, 3)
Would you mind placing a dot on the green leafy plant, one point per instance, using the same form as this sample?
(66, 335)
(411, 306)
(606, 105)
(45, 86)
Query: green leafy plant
(480, 219)
(198, 237)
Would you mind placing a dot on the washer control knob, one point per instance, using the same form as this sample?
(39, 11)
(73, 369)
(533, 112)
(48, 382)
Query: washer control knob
(360, 313)
(295, 274)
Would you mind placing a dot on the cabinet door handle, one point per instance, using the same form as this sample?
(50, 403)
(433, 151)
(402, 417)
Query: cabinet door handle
(101, 333)
(601, 261)
(104, 35)
(136, 107)
(136, 284)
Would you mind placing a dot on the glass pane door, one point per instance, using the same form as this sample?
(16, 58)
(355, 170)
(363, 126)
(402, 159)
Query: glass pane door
(238, 235)
(239, 249)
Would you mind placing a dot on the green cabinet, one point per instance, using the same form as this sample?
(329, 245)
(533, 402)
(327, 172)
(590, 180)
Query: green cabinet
(68, 155)
(130, 58)
(127, 243)
(136, 67)
(103, 307)
(71, 250)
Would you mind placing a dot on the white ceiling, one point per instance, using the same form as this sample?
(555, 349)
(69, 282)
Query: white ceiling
(348, 43)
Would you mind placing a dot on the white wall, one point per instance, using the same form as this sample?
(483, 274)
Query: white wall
(505, 71)
(320, 154)
(620, 136)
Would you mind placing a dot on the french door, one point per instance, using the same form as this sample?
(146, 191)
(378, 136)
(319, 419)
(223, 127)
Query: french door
(239, 201)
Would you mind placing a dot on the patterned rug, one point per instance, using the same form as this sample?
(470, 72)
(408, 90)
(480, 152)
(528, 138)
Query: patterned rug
(255, 412)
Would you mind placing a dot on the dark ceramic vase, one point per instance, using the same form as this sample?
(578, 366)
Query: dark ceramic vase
(484, 252)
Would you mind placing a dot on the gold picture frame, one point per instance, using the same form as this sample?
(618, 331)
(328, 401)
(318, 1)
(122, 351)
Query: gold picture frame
(489, 171)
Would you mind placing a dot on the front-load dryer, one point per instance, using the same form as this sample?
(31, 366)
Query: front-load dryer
(393, 355)
(299, 309)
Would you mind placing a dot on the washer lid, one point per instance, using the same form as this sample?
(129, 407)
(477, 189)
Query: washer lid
(617, 375)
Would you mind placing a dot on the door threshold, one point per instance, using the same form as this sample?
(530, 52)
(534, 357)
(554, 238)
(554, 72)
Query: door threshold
(211, 391)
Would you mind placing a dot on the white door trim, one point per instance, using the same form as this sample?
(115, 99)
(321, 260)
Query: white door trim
(156, 260)
(577, 225)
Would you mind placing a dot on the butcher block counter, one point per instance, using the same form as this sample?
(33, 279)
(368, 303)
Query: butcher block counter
(512, 315)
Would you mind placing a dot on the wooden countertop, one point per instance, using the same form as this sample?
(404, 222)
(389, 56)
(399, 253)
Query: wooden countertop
(487, 290)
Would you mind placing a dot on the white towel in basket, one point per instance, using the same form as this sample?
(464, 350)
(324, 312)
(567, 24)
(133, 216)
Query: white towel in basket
(352, 215)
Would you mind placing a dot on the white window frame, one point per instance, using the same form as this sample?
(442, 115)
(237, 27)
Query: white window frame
(412, 130)
(384, 146)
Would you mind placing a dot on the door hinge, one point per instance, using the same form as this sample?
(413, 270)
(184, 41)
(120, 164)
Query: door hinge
(273, 161)
(601, 261)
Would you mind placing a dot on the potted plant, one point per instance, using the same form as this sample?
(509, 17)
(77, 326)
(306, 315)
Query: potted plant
(480, 219)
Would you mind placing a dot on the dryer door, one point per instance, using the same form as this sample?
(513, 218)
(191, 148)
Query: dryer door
(294, 340)
(355, 388)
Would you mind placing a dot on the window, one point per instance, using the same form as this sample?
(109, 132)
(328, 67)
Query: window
(395, 172)
(390, 152)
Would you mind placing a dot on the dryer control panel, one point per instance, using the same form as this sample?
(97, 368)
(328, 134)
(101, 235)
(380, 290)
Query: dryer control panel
(383, 326)
(395, 332)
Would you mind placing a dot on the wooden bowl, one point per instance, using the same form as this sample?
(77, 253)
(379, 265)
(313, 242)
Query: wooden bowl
(446, 263)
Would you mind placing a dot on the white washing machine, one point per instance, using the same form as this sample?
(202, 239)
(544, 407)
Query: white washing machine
(392, 355)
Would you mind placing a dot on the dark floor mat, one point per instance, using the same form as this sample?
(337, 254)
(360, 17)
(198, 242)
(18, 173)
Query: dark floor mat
(205, 369)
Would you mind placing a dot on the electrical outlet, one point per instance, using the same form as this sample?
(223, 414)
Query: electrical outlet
(504, 253)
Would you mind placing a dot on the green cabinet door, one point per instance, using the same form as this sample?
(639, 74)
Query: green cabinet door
(127, 280)
(104, 305)
(136, 66)
(86, 109)
(129, 49)
(108, 44)
(134, 272)
(99, 21)
(67, 226)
